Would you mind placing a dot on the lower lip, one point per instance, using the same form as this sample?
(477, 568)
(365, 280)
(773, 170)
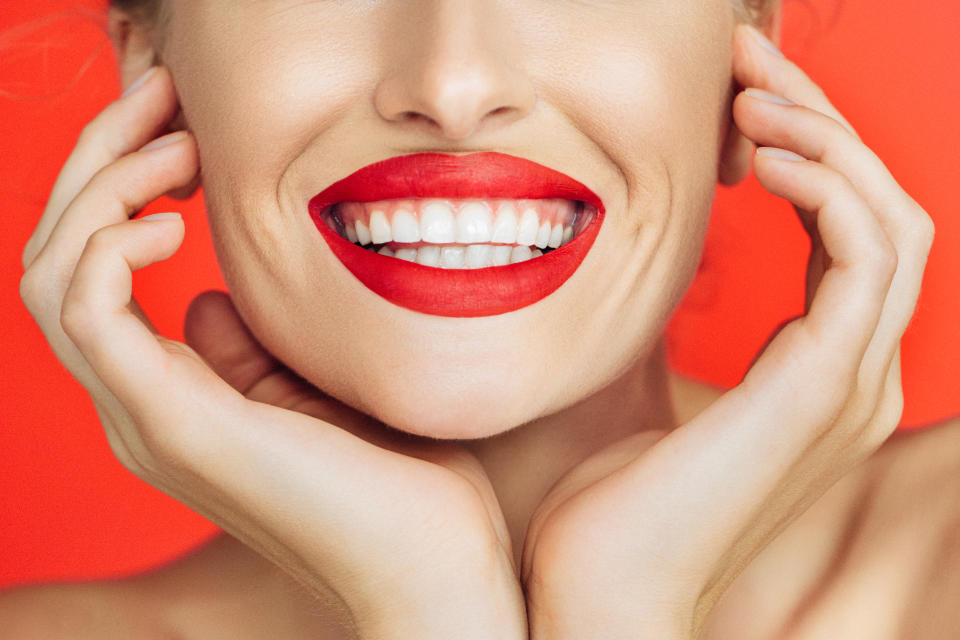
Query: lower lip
(462, 293)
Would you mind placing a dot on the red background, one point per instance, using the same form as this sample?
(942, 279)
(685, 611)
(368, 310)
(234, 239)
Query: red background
(68, 510)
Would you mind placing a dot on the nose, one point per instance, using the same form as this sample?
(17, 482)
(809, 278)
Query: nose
(453, 69)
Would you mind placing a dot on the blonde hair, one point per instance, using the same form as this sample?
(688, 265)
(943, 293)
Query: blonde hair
(756, 12)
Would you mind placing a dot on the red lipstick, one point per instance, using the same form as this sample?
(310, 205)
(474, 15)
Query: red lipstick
(458, 292)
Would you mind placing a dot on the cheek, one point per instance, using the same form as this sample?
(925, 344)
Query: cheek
(260, 85)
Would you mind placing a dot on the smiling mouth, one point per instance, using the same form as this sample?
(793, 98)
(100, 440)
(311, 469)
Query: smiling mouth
(460, 233)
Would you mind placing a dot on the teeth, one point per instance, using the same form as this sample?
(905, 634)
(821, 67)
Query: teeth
(478, 255)
(351, 234)
(429, 256)
(474, 223)
(500, 255)
(505, 226)
(543, 235)
(437, 223)
(452, 257)
(363, 233)
(478, 234)
(519, 254)
(379, 227)
(556, 236)
(407, 254)
(405, 227)
(527, 230)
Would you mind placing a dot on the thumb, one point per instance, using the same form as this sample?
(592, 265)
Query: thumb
(214, 329)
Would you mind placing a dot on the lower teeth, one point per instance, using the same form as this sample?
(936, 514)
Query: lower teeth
(461, 256)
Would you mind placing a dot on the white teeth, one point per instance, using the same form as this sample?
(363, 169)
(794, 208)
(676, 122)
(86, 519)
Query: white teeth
(363, 233)
(386, 251)
(543, 235)
(536, 253)
(500, 255)
(527, 230)
(520, 253)
(451, 257)
(429, 256)
(556, 236)
(437, 223)
(474, 223)
(351, 234)
(379, 227)
(567, 235)
(409, 255)
(405, 227)
(478, 255)
(505, 226)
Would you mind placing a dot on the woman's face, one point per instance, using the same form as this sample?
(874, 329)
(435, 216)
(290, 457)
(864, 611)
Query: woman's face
(286, 97)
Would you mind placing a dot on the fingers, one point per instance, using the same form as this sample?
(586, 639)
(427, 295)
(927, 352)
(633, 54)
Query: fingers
(96, 313)
(115, 193)
(804, 130)
(820, 138)
(755, 65)
(122, 127)
(215, 330)
(846, 309)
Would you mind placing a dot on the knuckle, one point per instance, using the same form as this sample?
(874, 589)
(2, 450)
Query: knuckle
(91, 134)
(840, 184)
(33, 289)
(100, 241)
(887, 260)
(922, 231)
(74, 315)
(162, 445)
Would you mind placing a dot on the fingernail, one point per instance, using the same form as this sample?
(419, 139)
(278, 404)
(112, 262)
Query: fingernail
(139, 82)
(769, 97)
(162, 216)
(780, 154)
(165, 141)
(764, 42)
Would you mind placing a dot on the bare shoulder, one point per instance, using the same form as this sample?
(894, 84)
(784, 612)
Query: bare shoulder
(96, 610)
(223, 590)
(888, 531)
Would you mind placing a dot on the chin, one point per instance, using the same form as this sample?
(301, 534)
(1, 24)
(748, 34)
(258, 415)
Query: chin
(468, 413)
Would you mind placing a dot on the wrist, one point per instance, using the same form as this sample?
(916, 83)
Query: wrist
(488, 606)
(570, 610)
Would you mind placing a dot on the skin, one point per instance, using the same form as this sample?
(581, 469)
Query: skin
(525, 455)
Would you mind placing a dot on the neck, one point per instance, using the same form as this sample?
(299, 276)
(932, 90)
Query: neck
(525, 462)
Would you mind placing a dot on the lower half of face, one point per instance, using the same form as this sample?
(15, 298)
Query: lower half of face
(630, 102)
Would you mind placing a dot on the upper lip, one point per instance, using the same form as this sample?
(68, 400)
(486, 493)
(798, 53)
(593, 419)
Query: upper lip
(437, 175)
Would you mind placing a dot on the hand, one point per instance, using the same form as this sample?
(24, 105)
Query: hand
(404, 535)
(642, 539)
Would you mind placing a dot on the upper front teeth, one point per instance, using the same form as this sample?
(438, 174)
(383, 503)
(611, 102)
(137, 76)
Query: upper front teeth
(543, 223)
(437, 223)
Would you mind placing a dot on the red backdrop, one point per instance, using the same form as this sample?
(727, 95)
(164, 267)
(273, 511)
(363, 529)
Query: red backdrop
(68, 510)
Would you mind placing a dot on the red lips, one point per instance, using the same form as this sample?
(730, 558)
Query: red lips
(458, 292)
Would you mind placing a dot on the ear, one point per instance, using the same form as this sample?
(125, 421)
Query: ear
(737, 152)
(132, 43)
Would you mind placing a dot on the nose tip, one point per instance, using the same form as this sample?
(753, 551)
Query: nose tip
(458, 74)
(454, 103)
